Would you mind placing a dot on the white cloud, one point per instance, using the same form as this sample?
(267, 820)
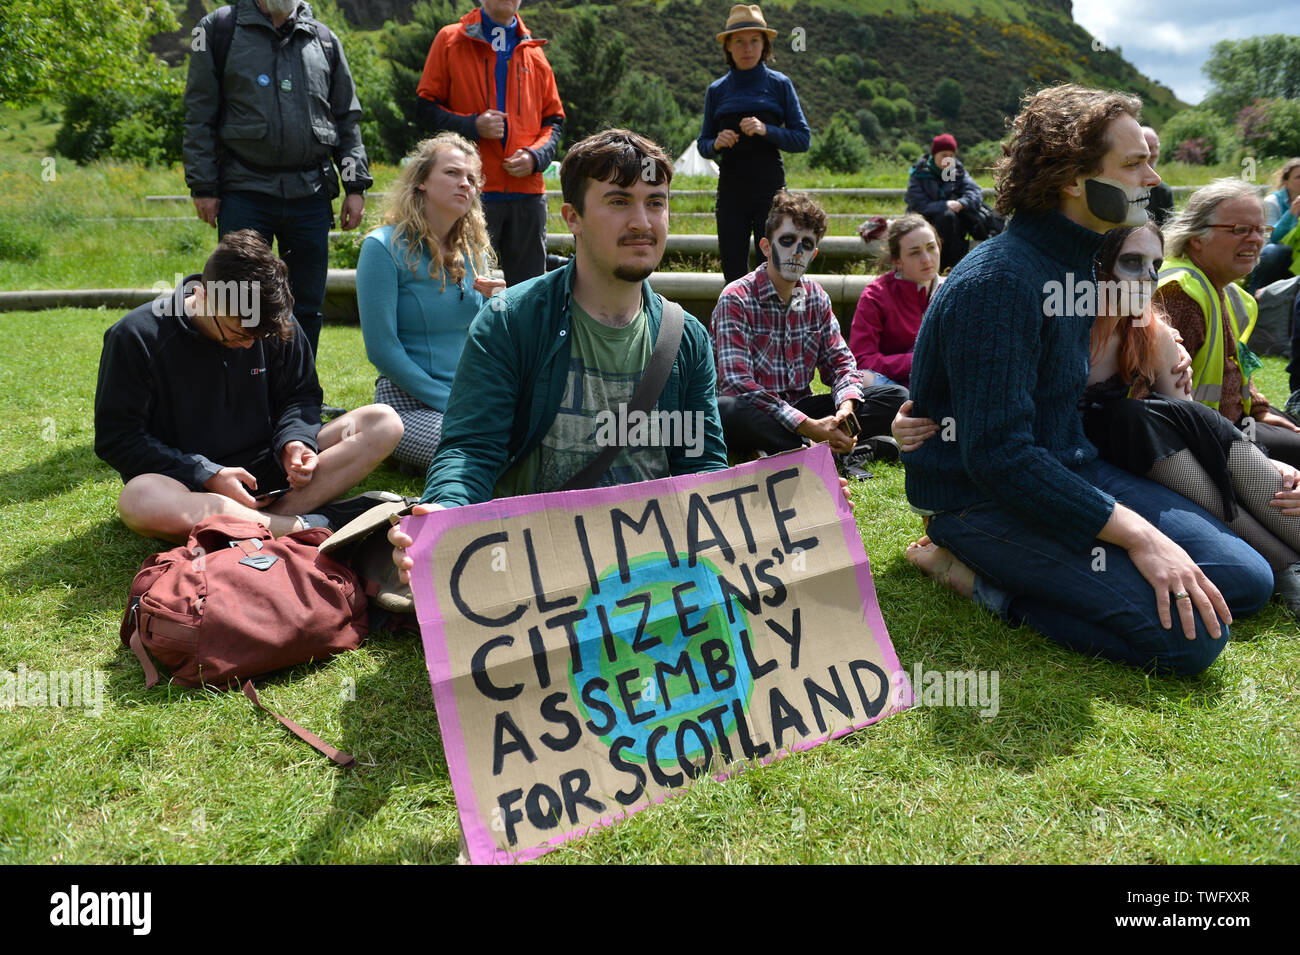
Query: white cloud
(1169, 40)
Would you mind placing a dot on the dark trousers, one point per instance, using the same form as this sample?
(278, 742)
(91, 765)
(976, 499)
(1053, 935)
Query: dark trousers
(301, 227)
(1274, 265)
(953, 244)
(1293, 367)
(1104, 609)
(517, 228)
(742, 206)
(748, 429)
(1283, 444)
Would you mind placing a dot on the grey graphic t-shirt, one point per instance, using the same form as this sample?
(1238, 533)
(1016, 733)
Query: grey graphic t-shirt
(605, 367)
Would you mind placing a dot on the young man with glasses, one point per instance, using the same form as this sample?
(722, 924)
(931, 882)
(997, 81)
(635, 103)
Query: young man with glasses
(772, 330)
(208, 403)
(1215, 241)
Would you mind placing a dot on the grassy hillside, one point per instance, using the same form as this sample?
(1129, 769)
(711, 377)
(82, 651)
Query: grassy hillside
(841, 54)
(993, 50)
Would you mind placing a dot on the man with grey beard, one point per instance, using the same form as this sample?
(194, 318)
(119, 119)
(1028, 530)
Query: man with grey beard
(270, 110)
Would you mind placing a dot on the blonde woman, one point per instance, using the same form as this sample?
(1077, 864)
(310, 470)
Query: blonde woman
(421, 279)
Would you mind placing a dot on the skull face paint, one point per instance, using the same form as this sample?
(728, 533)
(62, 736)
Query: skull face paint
(1112, 201)
(1136, 268)
(792, 251)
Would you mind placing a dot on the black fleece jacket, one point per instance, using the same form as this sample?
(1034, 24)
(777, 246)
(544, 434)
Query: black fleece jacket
(172, 401)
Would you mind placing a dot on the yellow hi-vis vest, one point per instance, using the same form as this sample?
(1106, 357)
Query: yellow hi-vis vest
(1243, 310)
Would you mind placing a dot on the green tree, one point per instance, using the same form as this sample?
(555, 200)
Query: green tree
(839, 147)
(904, 112)
(1279, 128)
(869, 127)
(885, 111)
(848, 67)
(948, 98)
(1211, 137)
(899, 90)
(589, 60)
(645, 104)
(63, 47)
(390, 105)
(1258, 67)
(137, 125)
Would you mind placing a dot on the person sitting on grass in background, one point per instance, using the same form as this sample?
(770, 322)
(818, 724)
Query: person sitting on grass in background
(889, 310)
(1021, 513)
(421, 279)
(1210, 245)
(207, 401)
(1281, 215)
(940, 188)
(772, 331)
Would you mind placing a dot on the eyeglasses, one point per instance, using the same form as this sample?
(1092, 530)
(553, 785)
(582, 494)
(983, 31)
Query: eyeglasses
(1241, 231)
(242, 338)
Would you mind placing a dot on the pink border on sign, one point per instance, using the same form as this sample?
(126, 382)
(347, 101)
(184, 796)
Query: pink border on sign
(429, 529)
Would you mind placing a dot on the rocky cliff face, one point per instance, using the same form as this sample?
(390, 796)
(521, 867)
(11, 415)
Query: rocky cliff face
(370, 14)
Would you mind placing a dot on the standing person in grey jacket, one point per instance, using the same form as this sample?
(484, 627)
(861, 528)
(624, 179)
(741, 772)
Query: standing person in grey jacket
(270, 109)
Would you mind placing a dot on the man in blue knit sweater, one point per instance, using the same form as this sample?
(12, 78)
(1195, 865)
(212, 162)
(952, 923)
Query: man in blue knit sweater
(1024, 518)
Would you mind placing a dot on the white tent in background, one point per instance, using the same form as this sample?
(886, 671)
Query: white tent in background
(691, 163)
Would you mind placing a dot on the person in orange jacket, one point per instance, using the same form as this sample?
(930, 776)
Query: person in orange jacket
(487, 78)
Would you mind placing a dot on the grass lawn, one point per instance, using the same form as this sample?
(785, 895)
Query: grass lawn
(1085, 761)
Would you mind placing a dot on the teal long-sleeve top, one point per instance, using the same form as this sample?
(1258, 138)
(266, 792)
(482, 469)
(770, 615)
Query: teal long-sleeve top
(414, 324)
(1287, 221)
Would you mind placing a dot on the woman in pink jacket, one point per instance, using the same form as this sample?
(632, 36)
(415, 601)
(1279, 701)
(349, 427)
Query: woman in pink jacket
(889, 312)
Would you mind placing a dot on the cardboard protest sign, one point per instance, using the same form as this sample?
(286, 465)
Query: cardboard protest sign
(593, 651)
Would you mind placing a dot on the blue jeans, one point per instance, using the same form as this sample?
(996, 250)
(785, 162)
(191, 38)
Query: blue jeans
(1095, 601)
(301, 226)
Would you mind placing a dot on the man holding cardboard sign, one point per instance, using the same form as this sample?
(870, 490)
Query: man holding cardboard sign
(545, 396)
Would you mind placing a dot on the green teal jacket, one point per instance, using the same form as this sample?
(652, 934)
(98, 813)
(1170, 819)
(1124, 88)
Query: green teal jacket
(511, 380)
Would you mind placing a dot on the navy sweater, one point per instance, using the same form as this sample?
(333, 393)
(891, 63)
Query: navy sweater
(759, 92)
(1006, 380)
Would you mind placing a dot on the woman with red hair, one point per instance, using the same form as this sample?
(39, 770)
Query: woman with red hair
(1142, 420)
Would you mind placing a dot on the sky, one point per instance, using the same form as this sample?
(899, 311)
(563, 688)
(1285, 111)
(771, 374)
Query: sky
(1169, 40)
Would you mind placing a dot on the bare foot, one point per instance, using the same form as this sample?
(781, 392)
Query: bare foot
(939, 563)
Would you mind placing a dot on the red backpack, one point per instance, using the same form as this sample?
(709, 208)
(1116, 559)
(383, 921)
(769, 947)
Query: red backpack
(235, 603)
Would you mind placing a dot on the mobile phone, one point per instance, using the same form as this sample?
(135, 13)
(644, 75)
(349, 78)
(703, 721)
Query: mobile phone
(850, 425)
(271, 495)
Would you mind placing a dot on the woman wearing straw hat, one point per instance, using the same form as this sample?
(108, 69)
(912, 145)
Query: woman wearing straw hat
(750, 115)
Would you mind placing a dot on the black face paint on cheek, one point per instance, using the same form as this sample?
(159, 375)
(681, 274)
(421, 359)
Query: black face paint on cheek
(1106, 202)
(776, 256)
